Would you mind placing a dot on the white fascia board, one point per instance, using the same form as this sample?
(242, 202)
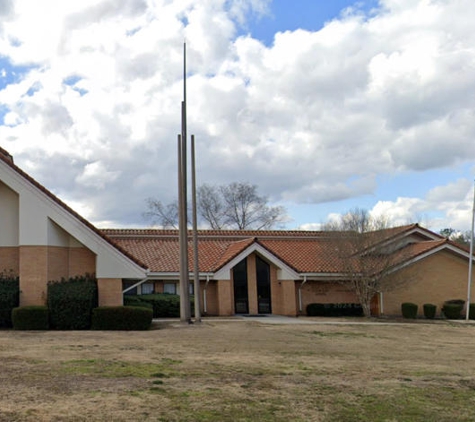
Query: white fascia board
(38, 207)
(323, 276)
(420, 257)
(158, 276)
(284, 271)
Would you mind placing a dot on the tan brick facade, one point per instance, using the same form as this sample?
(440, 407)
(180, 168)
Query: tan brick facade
(110, 291)
(252, 284)
(9, 259)
(225, 297)
(325, 292)
(284, 299)
(81, 261)
(39, 264)
(435, 279)
(33, 275)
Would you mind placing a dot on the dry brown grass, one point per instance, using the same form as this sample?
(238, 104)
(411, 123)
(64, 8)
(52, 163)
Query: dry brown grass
(241, 371)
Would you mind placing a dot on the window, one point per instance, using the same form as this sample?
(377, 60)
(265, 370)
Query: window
(174, 289)
(126, 284)
(170, 288)
(147, 288)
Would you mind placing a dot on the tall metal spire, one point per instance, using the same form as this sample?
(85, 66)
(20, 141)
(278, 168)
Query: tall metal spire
(185, 310)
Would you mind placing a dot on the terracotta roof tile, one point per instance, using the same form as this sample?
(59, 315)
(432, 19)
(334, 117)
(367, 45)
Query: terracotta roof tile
(305, 252)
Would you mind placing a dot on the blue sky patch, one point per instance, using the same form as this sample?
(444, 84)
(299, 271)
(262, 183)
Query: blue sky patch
(310, 15)
(10, 74)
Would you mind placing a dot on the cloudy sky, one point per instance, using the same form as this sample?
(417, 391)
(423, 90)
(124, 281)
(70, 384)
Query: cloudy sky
(325, 105)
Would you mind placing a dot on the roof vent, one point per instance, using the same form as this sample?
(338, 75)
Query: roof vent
(6, 155)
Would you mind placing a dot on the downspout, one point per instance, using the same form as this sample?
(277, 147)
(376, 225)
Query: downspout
(205, 305)
(300, 294)
(381, 306)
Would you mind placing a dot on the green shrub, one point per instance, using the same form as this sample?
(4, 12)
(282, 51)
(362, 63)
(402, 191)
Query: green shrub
(455, 302)
(164, 305)
(452, 310)
(429, 310)
(71, 301)
(121, 318)
(9, 297)
(30, 318)
(135, 301)
(409, 310)
(316, 309)
(471, 311)
(334, 309)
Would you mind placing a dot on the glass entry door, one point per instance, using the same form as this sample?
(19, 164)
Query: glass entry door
(241, 301)
(264, 305)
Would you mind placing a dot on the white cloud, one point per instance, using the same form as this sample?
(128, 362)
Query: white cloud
(311, 119)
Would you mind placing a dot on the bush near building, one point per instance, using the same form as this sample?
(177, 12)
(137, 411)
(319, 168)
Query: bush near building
(164, 305)
(121, 318)
(334, 309)
(71, 301)
(9, 297)
(30, 318)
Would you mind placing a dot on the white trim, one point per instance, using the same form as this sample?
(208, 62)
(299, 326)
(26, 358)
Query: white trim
(36, 207)
(284, 271)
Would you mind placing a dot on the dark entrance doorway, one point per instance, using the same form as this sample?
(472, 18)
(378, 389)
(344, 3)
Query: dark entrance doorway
(264, 305)
(241, 301)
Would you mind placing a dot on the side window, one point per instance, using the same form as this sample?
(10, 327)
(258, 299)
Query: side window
(170, 288)
(147, 288)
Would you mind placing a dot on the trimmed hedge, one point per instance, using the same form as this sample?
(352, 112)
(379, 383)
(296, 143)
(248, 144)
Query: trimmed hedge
(164, 305)
(409, 310)
(135, 301)
(429, 310)
(452, 310)
(30, 318)
(121, 318)
(9, 297)
(471, 311)
(71, 301)
(334, 309)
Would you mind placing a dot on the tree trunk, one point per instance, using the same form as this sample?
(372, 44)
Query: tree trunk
(366, 305)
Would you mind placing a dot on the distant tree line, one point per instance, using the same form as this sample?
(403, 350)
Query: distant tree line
(236, 206)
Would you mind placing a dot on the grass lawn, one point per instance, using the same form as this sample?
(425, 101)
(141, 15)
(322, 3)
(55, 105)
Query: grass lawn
(241, 371)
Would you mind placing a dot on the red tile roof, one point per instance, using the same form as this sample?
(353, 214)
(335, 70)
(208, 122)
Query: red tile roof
(304, 251)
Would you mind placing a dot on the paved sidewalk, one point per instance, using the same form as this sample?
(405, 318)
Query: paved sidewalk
(282, 320)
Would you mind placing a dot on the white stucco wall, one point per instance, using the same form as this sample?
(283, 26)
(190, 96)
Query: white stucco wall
(9, 218)
(41, 221)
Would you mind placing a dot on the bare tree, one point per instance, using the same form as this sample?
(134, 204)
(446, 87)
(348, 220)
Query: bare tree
(164, 215)
(244, 209)
(210, 206)
(366, 255)
(461, 238)
(234, 206)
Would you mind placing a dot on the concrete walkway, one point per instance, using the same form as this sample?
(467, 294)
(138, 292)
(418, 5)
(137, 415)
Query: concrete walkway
(282, 320)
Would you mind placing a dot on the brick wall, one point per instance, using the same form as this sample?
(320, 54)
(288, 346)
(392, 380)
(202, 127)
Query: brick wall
(435, 279)
(110, 291)
(33, 271)
(326, 292)
(81, 261)
(9, 259)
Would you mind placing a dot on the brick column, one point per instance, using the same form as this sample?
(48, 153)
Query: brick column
(252, 284)
(289, 298)
(110, 291)
(33, 272)
(225, 305)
